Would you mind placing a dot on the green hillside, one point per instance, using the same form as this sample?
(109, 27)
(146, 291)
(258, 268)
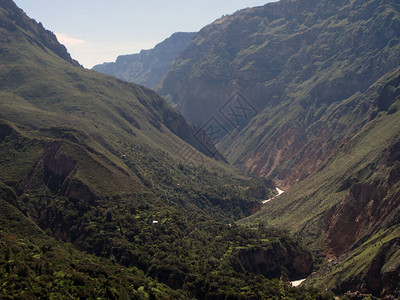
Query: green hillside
(34, 265)
(347, 211)
(126, 130)
(108, 192)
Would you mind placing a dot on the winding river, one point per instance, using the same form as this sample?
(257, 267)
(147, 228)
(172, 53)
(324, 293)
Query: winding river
(280, 192)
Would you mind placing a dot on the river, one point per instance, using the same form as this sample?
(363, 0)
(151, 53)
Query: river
(280, 192)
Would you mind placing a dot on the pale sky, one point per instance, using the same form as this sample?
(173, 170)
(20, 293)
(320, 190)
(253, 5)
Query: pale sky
(97, 31)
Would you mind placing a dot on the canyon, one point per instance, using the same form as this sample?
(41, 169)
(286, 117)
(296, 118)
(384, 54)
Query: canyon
(303, 95)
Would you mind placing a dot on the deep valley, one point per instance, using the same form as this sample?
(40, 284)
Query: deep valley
(223, 164)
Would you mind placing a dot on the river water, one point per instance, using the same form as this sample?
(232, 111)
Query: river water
(280, 192)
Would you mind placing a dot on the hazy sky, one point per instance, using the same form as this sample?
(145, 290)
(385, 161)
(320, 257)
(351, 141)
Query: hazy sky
(97, 31)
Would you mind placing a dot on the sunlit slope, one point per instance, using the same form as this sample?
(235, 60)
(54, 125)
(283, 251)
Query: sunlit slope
(97, 122)
(92, 164)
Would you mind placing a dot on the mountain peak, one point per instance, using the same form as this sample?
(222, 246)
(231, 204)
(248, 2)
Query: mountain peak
(13, 18)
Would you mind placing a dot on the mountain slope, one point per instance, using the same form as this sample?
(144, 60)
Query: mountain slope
(148, 66)
(293, 61)
(349, 209)
(91, 123)
(371, 155)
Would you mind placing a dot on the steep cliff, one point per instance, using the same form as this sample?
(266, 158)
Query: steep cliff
(319, 81)
(302, 65)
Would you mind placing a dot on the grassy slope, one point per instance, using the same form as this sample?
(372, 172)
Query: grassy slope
(321, 191)
(355, 265)
(305, 207)
(47, 97)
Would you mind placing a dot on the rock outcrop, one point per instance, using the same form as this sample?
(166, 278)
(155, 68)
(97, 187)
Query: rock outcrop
(275, 260)
(367, 206)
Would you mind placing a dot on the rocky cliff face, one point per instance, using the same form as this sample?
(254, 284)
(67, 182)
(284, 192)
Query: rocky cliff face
(301, 64)
(367, 207)
(275, 260)
(148, 66)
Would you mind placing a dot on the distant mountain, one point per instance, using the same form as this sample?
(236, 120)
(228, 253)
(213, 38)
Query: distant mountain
(148, 66)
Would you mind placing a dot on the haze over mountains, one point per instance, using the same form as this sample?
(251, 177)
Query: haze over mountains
(148, 66)
(303, 95)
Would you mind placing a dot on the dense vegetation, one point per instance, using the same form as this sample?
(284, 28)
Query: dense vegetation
(33, 265)
(40, 267)
(167, 237)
